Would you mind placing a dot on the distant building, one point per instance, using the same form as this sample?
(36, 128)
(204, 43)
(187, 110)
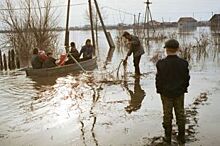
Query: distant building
(154, 23)
(215, 22)
(187, 23)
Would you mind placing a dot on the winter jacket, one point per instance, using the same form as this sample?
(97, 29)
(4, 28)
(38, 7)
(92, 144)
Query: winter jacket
(172, 78)
(135, 47)
(36, 62)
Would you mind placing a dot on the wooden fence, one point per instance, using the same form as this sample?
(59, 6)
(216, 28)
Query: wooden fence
(10, 61)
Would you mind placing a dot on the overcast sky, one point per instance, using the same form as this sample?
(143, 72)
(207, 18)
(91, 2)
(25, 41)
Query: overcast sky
(169, 10)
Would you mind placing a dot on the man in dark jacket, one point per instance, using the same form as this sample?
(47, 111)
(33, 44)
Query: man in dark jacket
(172, 80)
(136, 49)
(50, 61)
(36, 60)
(87, 50)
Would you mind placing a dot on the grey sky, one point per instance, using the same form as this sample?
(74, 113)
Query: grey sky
(170, 10)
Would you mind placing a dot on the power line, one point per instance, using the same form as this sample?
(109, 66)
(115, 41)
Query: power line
(56, 6)
(118, 10)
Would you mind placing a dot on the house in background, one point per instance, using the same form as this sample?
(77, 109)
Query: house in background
(187, 24)
(215, 22)
(153, 23)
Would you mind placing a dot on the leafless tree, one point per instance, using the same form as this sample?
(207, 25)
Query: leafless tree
(29, 26)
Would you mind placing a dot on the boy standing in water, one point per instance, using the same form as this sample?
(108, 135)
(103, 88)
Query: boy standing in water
(172, 80)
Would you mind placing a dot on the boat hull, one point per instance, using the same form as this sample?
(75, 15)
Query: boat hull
(88, 65)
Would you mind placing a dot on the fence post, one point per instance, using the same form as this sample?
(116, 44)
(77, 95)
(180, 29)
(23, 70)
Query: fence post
(5, 62)
(9, 59)
(13, 59)
(17, 62)
(1, 63)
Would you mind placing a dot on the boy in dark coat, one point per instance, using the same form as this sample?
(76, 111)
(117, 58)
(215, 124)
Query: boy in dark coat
(172, 80)
(73, 53)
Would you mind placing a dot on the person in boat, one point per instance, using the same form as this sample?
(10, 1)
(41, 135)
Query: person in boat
(43, 55)
(87, 50)
(172, 81)
(73, 54)
(136, 49)
(50, 61)
(36, 60)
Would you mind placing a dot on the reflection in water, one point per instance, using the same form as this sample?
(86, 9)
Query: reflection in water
(137, 96)
(92, 116)
(187, 30)
(216, 45)
(191, 123)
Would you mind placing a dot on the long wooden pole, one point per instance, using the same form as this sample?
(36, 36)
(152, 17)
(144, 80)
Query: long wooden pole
(103, 25)
(92, 26)
(67, 27)
(1, 63)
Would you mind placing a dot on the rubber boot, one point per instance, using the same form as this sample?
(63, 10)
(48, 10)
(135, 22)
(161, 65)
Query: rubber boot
(168, 134)
(181, 134)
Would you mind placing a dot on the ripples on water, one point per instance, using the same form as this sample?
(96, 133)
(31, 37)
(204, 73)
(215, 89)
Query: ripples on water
(35, 103)
(91, 103)
(29, 105)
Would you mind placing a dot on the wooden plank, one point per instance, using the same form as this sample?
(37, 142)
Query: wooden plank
(111, 40)
(103, 25)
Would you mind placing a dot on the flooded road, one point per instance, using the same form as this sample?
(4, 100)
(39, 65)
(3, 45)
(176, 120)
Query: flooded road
(102, 108)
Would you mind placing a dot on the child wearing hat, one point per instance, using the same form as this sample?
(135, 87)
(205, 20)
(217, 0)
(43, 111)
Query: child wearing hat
(172, 80)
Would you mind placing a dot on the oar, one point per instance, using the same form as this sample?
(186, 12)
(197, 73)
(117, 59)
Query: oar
(77, 63)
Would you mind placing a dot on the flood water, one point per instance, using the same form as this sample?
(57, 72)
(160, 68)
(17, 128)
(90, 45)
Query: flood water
(102, 108)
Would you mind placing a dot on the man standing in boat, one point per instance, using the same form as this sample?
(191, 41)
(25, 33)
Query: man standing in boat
(136, 49)
(87, 50)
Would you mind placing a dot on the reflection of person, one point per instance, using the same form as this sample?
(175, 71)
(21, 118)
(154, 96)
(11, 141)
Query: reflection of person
(73, 53)
(136, 97)
(36, 60)
(172, 80)
(136, 48)
(50, 61)
(87, 50)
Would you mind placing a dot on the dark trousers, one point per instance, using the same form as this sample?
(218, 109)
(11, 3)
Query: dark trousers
(178, 104)
(136, 61)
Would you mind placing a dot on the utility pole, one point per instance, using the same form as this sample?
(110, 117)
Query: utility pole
(108, 36)
(134, 26)
(66, 44)
(147, 18)
(138, 30)
(92, 26)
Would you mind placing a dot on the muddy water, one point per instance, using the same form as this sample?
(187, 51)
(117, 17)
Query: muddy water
(101, 108)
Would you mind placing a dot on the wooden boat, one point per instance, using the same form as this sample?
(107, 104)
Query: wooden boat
(88, 65)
